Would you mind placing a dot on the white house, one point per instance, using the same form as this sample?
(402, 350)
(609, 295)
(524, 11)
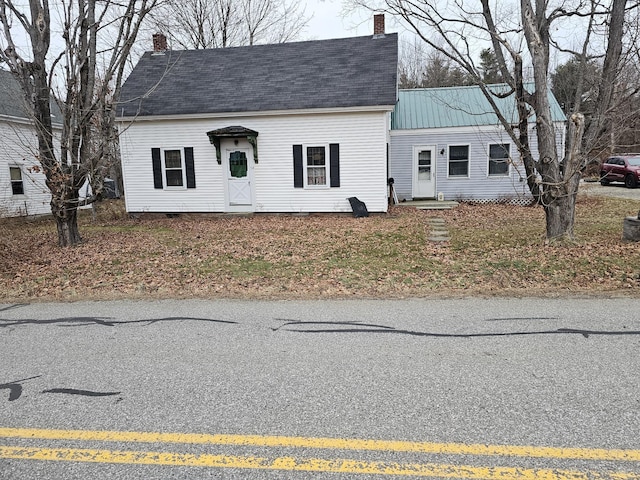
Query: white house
(448, 143)
(22, 184)
(292, 127)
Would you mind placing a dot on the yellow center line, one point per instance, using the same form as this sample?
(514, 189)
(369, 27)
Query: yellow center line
(326, 443)
(308, 465)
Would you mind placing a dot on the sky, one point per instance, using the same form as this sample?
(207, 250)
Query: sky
(326, 21)
(329, 22)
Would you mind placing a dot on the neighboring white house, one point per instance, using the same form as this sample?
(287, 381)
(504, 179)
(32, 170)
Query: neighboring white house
(292, 127)
(449, 141)
(22, 184)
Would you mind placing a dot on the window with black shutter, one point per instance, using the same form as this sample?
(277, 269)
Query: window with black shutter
(316, 166)
(173, 168)
(189, 166)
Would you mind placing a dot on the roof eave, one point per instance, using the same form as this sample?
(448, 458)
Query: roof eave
(25, 121)
(266, 113)
(482, 128)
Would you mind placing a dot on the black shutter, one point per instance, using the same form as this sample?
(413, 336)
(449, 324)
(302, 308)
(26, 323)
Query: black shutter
(157, 168)
(188, 162)
(298, 168)
(334, 164)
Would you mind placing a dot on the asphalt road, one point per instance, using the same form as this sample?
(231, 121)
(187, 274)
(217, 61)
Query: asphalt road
(435, 379)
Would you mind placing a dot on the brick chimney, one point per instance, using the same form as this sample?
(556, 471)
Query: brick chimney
(159, 42)
(378, 24)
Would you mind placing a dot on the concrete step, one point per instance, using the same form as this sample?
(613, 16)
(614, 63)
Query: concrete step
(429, 204)
(438, 230)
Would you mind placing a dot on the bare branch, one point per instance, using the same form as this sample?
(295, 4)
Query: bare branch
(81, 79)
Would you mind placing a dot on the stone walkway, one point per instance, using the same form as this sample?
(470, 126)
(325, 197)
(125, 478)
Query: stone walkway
(438, 231)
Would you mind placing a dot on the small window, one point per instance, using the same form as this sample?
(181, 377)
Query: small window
(424, 166)
(238, 164)
(459, 161)
(173, 168)
(316, 166)
(17, 185)
(499, 159)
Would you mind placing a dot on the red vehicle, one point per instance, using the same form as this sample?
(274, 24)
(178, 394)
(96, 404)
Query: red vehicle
(621, 168)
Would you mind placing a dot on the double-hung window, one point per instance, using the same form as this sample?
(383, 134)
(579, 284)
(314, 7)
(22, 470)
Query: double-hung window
(459, 160)
(499, 159)
(17, 184)
(316, 166)
(173, 168)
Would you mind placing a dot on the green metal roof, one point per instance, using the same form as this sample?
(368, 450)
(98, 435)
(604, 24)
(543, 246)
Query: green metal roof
(456, 107)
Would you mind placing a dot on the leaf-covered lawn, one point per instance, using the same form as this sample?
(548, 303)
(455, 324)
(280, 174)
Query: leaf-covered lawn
(494, 250)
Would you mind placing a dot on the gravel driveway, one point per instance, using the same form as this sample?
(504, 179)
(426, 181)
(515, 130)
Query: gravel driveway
(612, 190)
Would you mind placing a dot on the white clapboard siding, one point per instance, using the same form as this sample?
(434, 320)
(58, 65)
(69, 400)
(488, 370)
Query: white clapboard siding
(362, 138)
(479, 185)
(18, 148)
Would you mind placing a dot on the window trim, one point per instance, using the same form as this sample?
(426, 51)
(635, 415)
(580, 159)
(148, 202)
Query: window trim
(11, 181)
(183, 168)
(327, 166)
(468, 175)
(508, 161)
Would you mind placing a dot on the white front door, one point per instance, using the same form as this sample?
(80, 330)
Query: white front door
(239, 169)
(424, 172)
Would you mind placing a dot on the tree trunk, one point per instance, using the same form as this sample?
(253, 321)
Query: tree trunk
(600, 119)
(560, 218)
(67, 223)
(558, 197)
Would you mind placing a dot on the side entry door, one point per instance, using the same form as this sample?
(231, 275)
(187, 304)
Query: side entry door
(424, 169)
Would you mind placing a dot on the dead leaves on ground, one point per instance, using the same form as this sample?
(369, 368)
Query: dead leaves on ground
(494, 250)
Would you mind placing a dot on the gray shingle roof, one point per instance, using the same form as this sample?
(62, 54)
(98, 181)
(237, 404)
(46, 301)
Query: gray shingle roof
(349, 72)
(457, 107)
(12, 99)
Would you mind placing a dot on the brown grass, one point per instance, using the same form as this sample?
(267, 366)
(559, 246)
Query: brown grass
(494, 250)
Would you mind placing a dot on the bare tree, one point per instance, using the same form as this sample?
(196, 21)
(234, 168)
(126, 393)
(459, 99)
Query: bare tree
(229, 23)
(623, 134)
(82, 70)
(199, 23)
(520, 35)
(422, 67)
(272, 21)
